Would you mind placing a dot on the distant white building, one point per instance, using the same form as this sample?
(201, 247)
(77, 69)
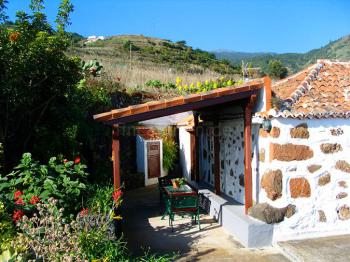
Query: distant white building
(94, 38)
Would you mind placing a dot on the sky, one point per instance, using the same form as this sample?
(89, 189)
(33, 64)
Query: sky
(239, 25)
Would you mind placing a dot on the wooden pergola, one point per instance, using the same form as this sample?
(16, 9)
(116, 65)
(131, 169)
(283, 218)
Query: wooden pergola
(245, 93)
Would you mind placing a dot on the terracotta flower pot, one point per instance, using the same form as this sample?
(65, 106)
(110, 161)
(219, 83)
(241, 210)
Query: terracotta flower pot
(175, 183)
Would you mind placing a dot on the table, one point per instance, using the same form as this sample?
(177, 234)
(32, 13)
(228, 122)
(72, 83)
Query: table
(181, 200)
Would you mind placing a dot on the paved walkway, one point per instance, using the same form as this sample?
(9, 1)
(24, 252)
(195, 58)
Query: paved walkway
(144, 229)
(334, 249)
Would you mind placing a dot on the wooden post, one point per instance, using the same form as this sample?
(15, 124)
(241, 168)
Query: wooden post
(116, 157)
(197, 135)
(248, 181)
(268, 92)
(217, 181)
(193, 153)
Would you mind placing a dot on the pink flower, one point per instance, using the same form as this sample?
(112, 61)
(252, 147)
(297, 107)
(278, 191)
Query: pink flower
(77, 160)
(34, 200)
(20, 202)
(17, 215)
(117, 195)
(65, 161)
(17, 194)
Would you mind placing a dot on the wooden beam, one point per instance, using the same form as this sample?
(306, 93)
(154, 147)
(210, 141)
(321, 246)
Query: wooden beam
(197, 136)
(193, 153)
(268, 92)
(116, 157)
(248, 181)
(217, 181)
(178, 108)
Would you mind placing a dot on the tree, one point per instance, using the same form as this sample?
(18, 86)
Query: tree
(276, 69)
(38, 84)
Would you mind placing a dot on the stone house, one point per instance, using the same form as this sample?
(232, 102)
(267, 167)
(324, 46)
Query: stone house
(277, 153)
(304, 159)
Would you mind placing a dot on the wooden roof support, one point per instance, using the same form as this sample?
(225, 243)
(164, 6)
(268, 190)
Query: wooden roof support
(268, 92)
(217, 181)
(116, 157)
(248, 181)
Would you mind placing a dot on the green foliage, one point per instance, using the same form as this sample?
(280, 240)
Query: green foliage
(95, 245)
(63, 180)
(128, 45)
(276, 69)
(7, 231)
(159, 84)
(101, 198)
(205, 86)
(169, 152)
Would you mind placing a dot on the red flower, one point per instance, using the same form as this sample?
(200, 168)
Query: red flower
(84, 212)
(34, 200)
(77, 160)
(20, 202)
(17, 194)
(65, 161)
(17, 215)
(117, 195)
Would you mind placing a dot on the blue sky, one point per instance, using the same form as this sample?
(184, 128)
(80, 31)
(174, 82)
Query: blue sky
(239, 25)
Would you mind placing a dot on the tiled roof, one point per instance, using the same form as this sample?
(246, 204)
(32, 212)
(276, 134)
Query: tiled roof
(180, 101)
(320, 91)
(148, 134)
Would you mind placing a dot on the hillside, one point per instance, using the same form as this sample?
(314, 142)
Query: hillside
(339, 49)
(136, 59)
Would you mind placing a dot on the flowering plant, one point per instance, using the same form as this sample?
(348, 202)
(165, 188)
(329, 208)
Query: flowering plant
(31, 183)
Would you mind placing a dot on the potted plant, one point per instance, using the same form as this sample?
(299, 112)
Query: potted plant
(178, 182)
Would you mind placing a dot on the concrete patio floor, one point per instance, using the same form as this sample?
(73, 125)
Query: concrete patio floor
(335, 249)
(144, 229)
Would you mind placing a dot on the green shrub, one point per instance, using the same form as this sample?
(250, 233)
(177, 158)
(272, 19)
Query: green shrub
(101, 198)
(169, 153)
(30, 182)
(7, 231)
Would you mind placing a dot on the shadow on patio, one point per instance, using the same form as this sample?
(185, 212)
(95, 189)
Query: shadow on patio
(144, 229)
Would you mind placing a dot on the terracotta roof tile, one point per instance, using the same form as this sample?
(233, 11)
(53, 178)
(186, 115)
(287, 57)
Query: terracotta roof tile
(178, 101)
(321, 90)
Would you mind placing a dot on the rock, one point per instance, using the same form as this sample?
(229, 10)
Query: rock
(275, 132)
(343, 166)
(272, 183)
(324, 179)
(313, 168)
(262, 155)
(337, 132)
(300, 131)
(344, 212)
(291, 210)
(299, 187)
(342, 184)
(342, 195)
(290, 152)
(322, 216)
(270, 214)
(328, 148)
(241, 180)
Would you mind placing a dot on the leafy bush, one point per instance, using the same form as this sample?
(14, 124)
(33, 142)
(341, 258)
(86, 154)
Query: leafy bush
(169, 153)
(31, 182)
(204, 86)
(7, 231)
(159, 84)
(276, 69)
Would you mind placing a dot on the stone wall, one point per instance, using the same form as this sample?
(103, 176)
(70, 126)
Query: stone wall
(231, 139)
(305, 163)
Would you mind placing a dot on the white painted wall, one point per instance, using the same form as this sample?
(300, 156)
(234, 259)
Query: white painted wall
(141, 161)
(185, 152)
(305, 223)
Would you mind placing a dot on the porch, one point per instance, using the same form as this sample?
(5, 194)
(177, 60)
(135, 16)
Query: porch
(144, 228)
(217, 110)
